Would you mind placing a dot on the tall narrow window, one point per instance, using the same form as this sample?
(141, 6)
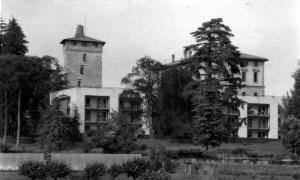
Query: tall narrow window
(84, 57)
(249, 122)
(255, 77)
(87, 116)
(81, 70)
(78, 83)
(87, 102)
(244, 76)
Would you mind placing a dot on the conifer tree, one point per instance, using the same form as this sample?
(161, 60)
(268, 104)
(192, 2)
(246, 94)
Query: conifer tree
(14, 40)
(215, 66)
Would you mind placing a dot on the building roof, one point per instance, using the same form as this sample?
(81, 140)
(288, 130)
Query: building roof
(243, 56)
(252, 57)
(80, 36)
(82, 39)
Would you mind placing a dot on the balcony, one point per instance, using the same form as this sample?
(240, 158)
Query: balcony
(258, 114)
(262, 128)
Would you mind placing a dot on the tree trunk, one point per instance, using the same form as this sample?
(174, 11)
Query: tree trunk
(5, 117)
(19, 119)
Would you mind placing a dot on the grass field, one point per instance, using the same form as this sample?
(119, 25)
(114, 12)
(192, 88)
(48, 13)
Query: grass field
(263, 147)
(260, 147)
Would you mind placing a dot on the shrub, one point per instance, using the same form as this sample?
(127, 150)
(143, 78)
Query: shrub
(156, 175)
(33, 170)
(56, 169)
(239, 151)
(115, 170)
(135, 168)
(5, 147)
(87, 146)
(93, 171)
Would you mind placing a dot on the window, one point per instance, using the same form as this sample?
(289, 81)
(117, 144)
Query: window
(84, 57)
(95, 44)
(255, 77)
(78, 83)
(279, 120)
(74, 43)
(255, 93)
(244, 76)
(87, 102)
(81, 70)
(255, 64)
(101, 117)
(245, 64)
(243, 93)
(87, 116)
(249, 134)
(101, 103)
(249, 122)
(84, 43)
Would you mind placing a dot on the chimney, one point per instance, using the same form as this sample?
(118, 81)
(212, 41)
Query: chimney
(173, 58)
(79, 31)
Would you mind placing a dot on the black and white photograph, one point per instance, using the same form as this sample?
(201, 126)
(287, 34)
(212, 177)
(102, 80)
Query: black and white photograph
(149, 90)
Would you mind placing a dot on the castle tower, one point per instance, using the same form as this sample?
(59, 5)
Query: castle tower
(83, 60)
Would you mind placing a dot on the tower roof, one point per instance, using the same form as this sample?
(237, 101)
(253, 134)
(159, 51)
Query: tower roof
(80, 36)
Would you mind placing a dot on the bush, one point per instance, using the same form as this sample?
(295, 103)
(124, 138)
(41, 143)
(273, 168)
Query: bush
(190, 153)
(33, 170)
(115, 170)
(87, 146)
(56, 169)
(94, 171)
(135, 168)
(156, 175)
(4, 148)
(239, 151)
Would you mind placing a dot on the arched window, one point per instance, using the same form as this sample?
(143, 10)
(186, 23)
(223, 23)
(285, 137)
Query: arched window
(81, 70)
(84, 57)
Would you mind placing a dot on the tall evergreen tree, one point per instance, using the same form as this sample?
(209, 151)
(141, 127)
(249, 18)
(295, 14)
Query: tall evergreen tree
(3, 28)
(215, 66)
(14, 40)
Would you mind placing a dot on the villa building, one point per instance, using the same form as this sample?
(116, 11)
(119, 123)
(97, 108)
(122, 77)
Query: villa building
(259, 111)
(83, 69)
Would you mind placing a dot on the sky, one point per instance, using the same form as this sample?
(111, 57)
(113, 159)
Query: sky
(160, 28)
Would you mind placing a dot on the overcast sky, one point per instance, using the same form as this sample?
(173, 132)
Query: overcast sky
(159, 28)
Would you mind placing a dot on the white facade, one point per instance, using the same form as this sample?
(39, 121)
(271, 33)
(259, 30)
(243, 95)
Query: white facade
(260, 123)
(78, 96)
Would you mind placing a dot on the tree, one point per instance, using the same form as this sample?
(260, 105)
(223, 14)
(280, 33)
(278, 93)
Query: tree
(33, 170)
(94, 171)
(3, 28)
(144, 78)
(118, 136)
(290, 134)
(115, 170)
(14, 39)
(56, 128)
(175, 108)
(291, 102)
(57, 169)
(135, 168)
(215, 67)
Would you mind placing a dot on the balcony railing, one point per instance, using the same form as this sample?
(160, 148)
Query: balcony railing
(258, 127)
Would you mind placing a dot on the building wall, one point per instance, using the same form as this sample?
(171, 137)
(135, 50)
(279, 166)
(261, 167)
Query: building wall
(73, 60)
(273, 102)
(77, 99)
(251, 86)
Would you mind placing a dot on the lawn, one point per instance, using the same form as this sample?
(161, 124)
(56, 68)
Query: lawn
(260, 147)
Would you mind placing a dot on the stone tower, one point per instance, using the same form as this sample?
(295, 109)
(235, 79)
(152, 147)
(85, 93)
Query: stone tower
(83, 60)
